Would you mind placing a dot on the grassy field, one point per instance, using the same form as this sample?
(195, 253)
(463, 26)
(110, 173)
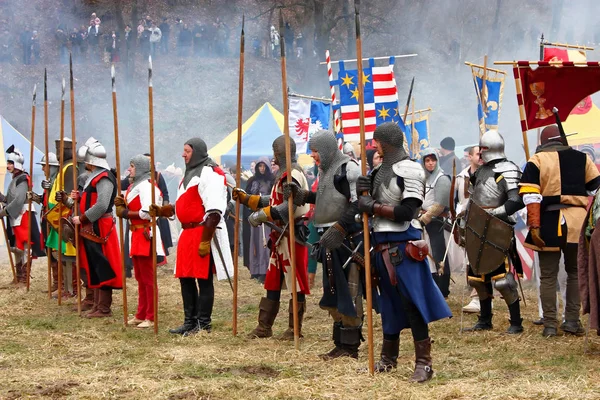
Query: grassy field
(47, 351)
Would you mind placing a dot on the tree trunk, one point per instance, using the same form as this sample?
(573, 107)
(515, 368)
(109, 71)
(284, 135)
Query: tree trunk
(350, 34)
(118, 4)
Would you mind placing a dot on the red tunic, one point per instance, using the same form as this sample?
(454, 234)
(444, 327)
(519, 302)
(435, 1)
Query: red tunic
(189, 208)
(279, 262)
(110, 249)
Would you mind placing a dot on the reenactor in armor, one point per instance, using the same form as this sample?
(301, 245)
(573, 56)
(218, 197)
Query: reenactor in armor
(489, 233)
(409, 298)
(336, 204)
(555, 187)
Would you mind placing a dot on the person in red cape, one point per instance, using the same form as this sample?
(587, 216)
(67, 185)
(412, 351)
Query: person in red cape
(19, 220)
(274, 208)
(98, 247)
(135, 206)
(203, 247)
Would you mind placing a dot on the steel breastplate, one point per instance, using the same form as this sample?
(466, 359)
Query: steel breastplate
(486, 192)
(430, 191)
(391, 195)
(330, 204)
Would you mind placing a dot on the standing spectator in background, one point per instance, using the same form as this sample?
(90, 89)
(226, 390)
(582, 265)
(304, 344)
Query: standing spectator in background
(155, 37)
(166, 34)
(93, 35)
(288, 36)
(114, 47)
(75, 43)
(25, 40)
(184, 42)
(260, 184)
(62, 39)
(83, 35)
(447, 156)
(35, 47)
(140, 29)
(274, 42)
(128, 37)
(197, 39)
(299, 45)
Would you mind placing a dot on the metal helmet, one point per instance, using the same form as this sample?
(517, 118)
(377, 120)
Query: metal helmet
(491, 145)
(52, 160)
(279, 151)
(93, 153)
(325, 143)
(68, 148)
(16, 157)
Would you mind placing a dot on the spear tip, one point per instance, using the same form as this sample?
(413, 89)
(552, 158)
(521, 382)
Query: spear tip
(150, 62)
(356, 7)
(112, 71)
(243, 22)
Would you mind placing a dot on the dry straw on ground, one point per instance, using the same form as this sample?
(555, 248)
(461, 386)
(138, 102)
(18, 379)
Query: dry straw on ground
(47, 351)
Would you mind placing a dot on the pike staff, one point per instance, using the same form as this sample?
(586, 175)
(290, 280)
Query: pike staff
(363, 166)
(61, 187)
(30, 182)
(75, 201)
(153, 192)
(118, 161)
(288, 167)
(238, 180)
(47, 175)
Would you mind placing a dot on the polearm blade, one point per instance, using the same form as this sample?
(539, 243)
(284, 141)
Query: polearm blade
(61, 164)
(412, 84)
(46, 174)
(74, 182)
(29, 202)
(118, 166)
(152, 191)
(288, 167)
(238, 180)
(363, 158)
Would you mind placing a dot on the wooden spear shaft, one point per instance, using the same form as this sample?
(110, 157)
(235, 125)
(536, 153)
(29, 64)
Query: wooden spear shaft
(238, 182)
(75, 201)
(61, 187)
(47, 175)
(29, 202)
(153, 192)
(290, 200)
(363, 166)
(118, 161)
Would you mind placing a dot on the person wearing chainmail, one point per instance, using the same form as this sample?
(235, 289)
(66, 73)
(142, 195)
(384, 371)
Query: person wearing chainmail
(409, 298)
(433, 211)
(20, 222)
(496, 190)
(274, 209)
(555, 187)
(135, 206)
(336, 204)
(98, 247)
(203, 246)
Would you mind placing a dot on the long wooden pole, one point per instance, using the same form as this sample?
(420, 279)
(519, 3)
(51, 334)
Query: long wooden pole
(414, 134)
(238, 182)
(29, 202)
(363, 166)
(522, 113)
(290, 200)
(153, 192)
(118, 161)
(374, 58)
(75, 205)
(499, 71)
(412, 84)
(47, 192)
(61, 187)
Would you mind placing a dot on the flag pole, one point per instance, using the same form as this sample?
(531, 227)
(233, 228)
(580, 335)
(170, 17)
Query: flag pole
(374, 58)
(412, 84)
(75, 201)
(336, 113)
(29, 202)
(517, 75)
(238, 182)
(363, 166)
(152, 192)
(47, 177)
(118, 166)
(290, 200)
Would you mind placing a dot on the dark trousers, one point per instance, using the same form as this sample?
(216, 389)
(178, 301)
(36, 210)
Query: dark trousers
(199, 298)
(435, 230)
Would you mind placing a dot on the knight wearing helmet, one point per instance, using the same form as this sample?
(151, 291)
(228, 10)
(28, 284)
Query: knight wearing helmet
(496, 194)
(20, 222)
(98, 247)
(409, 298)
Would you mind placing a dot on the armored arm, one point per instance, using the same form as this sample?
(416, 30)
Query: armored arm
(509, 178)
(441, 198)
(104, 188)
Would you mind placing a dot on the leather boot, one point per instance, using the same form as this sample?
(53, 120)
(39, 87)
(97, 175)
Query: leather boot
(423, 371)
(484, 322)
(206, 300)
(88, 302)
(189, 295)
(349, 343)
(516, 322)
(104, 304)
(23, 279)
(389, 356)
(289, 333)
(337, 350)
(268, 310)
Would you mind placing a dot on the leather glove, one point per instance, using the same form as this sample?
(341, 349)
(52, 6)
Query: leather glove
(204, 249)
(536, 237)
(210, 226)
(363, 184)
(34, 197)
(333, 237)
(260, 216)
(249, 200)
(161, 211)
(46, 185)
(62, 197)
(119, 201)
(366, 204)
(122, 211)
(300, 194)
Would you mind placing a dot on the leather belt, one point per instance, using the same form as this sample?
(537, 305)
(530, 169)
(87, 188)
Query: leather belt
(190, 225)
(107, 215)
(384, 250)
(556, 207)
(138, 226)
